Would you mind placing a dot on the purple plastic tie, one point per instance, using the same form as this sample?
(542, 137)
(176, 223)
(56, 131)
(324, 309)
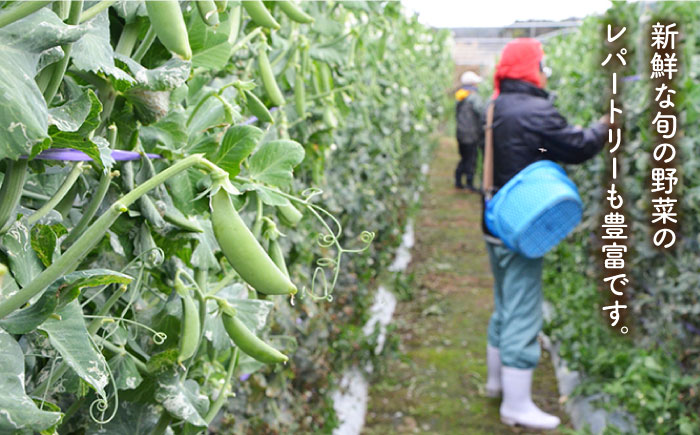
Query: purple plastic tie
(633, 78)
(71, 155)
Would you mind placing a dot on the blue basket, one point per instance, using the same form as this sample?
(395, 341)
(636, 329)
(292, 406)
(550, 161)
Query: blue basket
(535, 210)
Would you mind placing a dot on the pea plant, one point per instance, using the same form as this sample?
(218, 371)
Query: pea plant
(176, 172)
(652, 374)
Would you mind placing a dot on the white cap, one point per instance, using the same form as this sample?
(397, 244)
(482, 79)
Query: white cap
(470, 78)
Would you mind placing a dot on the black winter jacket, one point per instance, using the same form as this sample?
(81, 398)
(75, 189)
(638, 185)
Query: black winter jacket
(528, 128)
(470, 120)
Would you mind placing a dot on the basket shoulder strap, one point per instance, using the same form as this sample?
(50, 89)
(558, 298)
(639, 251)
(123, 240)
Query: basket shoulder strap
(488, 153)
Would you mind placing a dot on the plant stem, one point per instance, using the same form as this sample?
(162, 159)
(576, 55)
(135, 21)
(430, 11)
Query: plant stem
(19, 11)
(59, 68)
(246, 39)
(68, 183)
(33, 195)
(66, 203)
(104, 309)
(92, 12)
(223, 283)
(92, 236)
(71, 411)
(145, 44)
(91, 209)
(223, 392)
(128, 38)
(327, 93)
(140, 365)
(61, 7)
(11, 191)
(162, 424)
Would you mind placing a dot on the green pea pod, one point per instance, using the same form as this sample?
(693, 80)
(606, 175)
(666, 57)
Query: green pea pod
(325, 77)
(221, 5)
(235, 23)
(329, 117)
(243, 251)
(169, 25)
(151, 212)
(299, 93)
(275, 251)
(259, 13)
(289, 214)
(294, 12)
(190, 327)
(316, 79)
(175, 217)
(208, 11)
(257, 108)
(268, 78)
(249, 343)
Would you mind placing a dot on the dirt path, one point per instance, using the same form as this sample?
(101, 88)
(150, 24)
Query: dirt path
(436, 386)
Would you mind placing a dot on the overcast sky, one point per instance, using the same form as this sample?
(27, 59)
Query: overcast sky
(496, 13)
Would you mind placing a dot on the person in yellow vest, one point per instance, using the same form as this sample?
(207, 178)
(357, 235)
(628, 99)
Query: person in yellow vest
(470, 129)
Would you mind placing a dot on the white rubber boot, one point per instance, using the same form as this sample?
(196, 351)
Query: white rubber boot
(493, 364)
(517, 407)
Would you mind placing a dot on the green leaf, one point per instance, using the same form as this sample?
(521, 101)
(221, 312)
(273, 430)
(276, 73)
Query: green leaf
(266, 196)
(83, 109)
(237, 144)
(19, 412)
(27, 319)
(93, 52)
(24, 263)
(23, 111)
(182, 399)
(274, 161)
(130, 10)
(131, 418)
(172, 74)
(126, 375)
(215, 57)
(336, 53)
(210, 45)
(91, 278)
(43, 241)
(203, 255)
(253, 313)
(168, 132)
(71, 115)
(69, 336)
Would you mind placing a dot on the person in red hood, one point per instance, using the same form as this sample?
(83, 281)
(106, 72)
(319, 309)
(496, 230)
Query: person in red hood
(526, 128)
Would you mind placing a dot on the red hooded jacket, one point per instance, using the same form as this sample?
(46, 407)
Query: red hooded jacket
(520, 60)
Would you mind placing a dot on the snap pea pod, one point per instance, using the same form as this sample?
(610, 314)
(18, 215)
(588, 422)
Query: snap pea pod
(243, 251)
(289, 214)
(257, 108)
(250, 343)
(294, 12)
(325, 77)
(275, 251)
(268, 78)
(208, 11)
(299, 93)
(221, 5)
(260, 15)
(235, 23)
(169, 25)
(189, 325)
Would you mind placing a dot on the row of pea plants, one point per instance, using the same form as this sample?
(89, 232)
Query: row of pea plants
(196, 199)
